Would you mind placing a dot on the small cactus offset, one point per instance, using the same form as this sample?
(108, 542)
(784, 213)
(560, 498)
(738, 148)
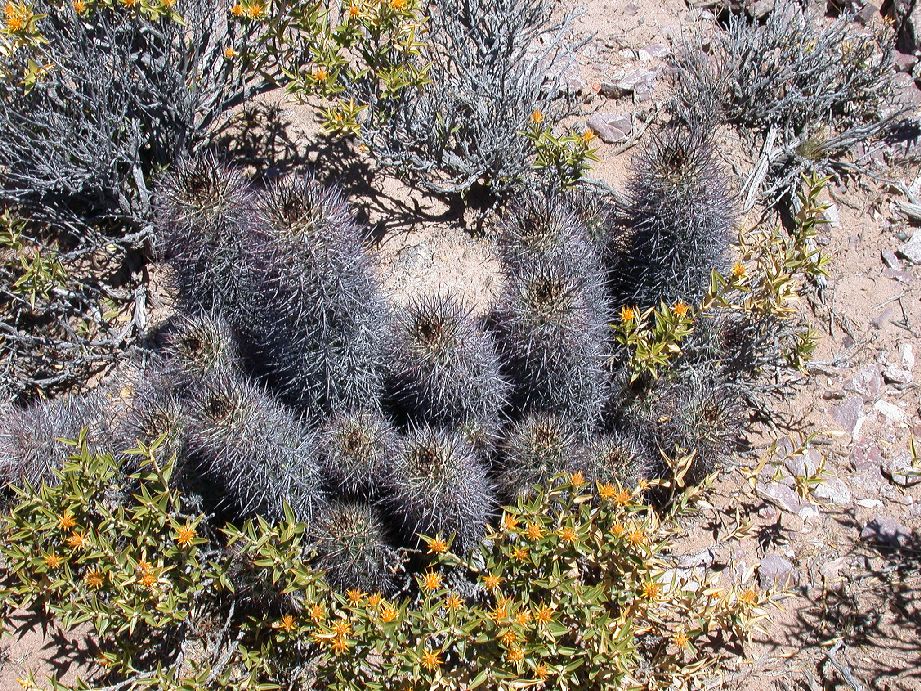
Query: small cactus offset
(323, 317)
(203, 215)
(440, 486)
(555, 341)
(31, 445)
(616, 458)
(155, 413)
(358, 450)
(535, 449)
(680, 221)
(199, 346)
(258, 451)
(445, 370)
(349, 541)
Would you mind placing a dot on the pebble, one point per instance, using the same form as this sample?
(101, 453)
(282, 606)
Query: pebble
(850, 416)
(611, 128)
(892, 261)
(911, 250)
(775, 571)
(890, 411)
(886, 530)
(833, 491)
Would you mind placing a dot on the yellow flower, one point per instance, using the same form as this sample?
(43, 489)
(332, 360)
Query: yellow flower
(453, 602)
(237, 10)
(353, 11)
(319, 74)
(749, 597)
(491, 581)
(508, 637)
(543, 614)
(509, 522)
(94, 579)
(520, 553)
(438, 546)
(79, 6)
(374, 600)
(541, 672)
(397, 4)
(185, 535)
(523, 618)
(76, 540)
(388, 614)
(617, 530)
(342, 628)
(514, 654)
(286, 623)
(255, 10)
(66, 521)
(680, 309)
(577, 480)
(681, 638)
(354, 595)
(738, 270)
(568, 534)
(53, 561)
(627, 314)
(317, 612)
(148, 580)
(339, 645)
(431, 660)
(534, 531)
(606, 491)
(588, 136)
(431, 581)
(636, 538)
(230, 53)
(651, 590)
(623, 498)
(537, 117)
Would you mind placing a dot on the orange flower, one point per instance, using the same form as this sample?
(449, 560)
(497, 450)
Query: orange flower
(523, 618)
(738, 270)
(66, 521)
(577, 479)
(509, 522)
(651, 590)
(617, 530)
(167, 3)
(255, 10)
(520, 553)
(606, 491)
(431, 581)
(319, 74)
(76, 540)
(680, 309)
(15, 17)
(374, 600)
(148, 580)
(339, 645)
(185, 535)
(568, 534)
(543, 614)
(453, 602)
(354, 595)
(627, 314)
(353, 11)
(388, 614)
(588, 136)
(514, 654)
(53, 561)
(129, 3)
(491, 581)
(397, 4)
(342, 628)
(541, 672)
(286, 623)
(534, 531)
(623, 498)
(144, 566)
(537, 117)
(79, 6)
(749, 597)
(317, 612)
(94, 579)
(508, 637)
(237, 10)
(636, 538)
(438, 546)
(230, 53)
(681, 638)
(500, 612)
(431, 660)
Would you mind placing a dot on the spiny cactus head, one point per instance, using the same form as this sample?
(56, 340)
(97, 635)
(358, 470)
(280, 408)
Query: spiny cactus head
(535, 449)
(198, 346)
(154, 413)
(599, 214)
(616, 458)
(301, 207)
(435, 326)
(200, 188)
(358, 449)
(349, 541)
(440, 486)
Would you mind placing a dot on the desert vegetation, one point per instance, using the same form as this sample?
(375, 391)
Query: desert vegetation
(293, 478)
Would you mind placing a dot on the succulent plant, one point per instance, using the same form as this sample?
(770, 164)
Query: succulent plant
(615, 458)
(535, 449)
(349, 541)
(261, 454)
(155, 413)
(324, 320)
(554, 341)
(444, 369)
(198, 346)
(439, 485)
(680, 219)
(358, 449)
(204, 217)
(30, 436)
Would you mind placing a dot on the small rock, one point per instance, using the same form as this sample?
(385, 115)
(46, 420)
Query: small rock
(832, 216)
(831, 570)
(869, 503)
(850, 416)
(907, 354)
(634, 81)
(658, 50)
(905, 62)
(759, 9)
(890, 411)
(911, 250)
(884, 317)
(887, 531)
(612, 128)
(900, 471)
(866, 14)
(775, 571)
(782, 496)
(897, 375)
(906, 91)
(833, 491)
(892, 261)
(803, 464)
(867, 382)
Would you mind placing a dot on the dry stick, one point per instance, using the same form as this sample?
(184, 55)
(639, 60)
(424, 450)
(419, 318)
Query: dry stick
(759, 172)
(843, 668)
